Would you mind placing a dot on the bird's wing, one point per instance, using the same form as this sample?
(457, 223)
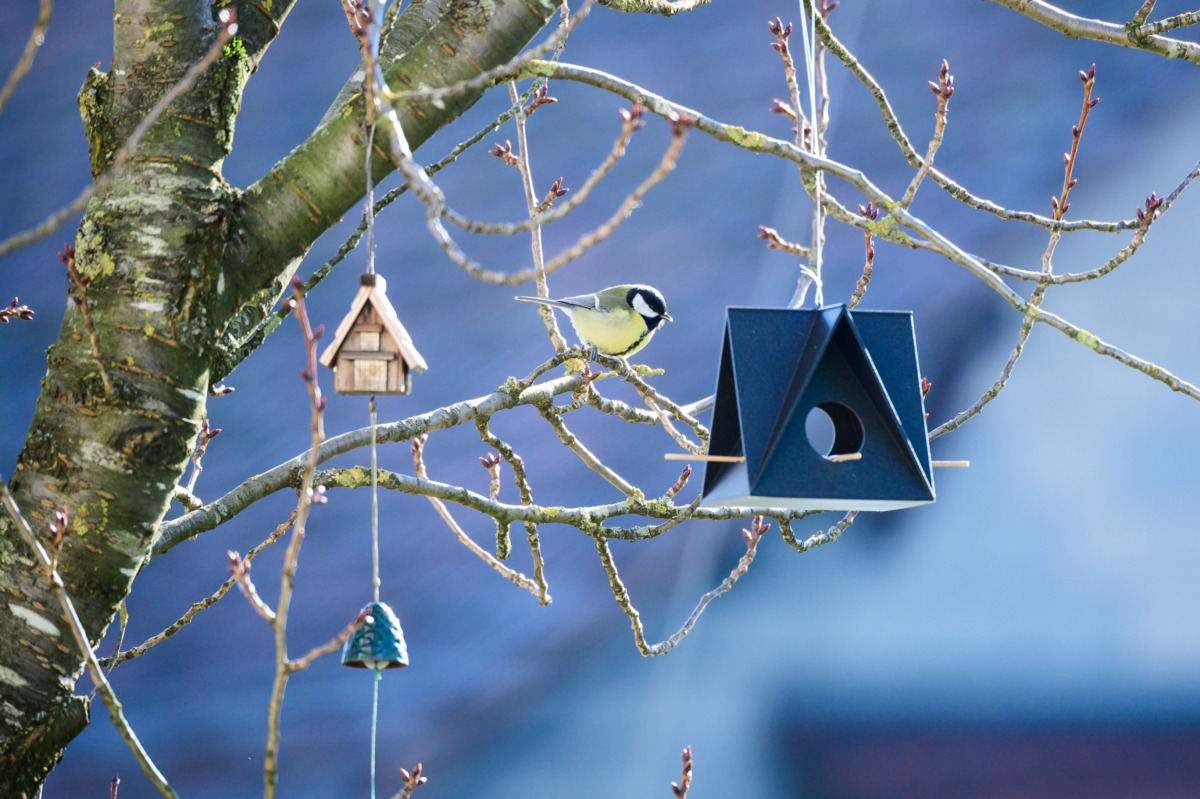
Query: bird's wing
(587, 301)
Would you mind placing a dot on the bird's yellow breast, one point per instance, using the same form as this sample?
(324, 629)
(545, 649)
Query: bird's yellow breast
(620, 332)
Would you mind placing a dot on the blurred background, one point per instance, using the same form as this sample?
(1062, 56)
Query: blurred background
(1031, 634)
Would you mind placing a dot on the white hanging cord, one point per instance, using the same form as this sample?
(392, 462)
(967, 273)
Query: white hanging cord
(369, 211)
(374, 507)
(374, 727)
(373, 78)
(808, 30)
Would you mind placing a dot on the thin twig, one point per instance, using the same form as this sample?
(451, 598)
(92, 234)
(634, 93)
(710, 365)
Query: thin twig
(1170, 23)
(678, 437)
(649, 393)
(631, 122)
(860, 288)
(944, 90)
(80, 298)
(411, 782)
(681, 788)
(1154, 208)
(551, 415)
(308, 497)
(680, 126)
(36, 37)
(197, 607)
(240, 569)
(535, 233)
(207, 434)
(820, 538)
(1142, 13)
(996, 387)
(752, 536)
(327, 648)
(225, 31)
(525, 491)
(95, 670)
(958, 192)
(777, 242)
(493, 466)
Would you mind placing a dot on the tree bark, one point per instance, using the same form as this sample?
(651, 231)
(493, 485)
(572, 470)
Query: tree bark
(181, 267)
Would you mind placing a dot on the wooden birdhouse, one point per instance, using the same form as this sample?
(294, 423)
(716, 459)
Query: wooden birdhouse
(819, 410)
(372, 353)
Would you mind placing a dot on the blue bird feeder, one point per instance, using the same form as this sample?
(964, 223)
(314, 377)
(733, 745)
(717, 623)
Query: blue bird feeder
(781, 372)
(378, 643)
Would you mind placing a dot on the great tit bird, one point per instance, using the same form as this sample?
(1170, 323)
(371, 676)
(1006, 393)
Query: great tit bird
(619, 320)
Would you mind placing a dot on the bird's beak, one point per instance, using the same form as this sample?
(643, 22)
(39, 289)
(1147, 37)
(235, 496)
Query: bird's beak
(667, 317)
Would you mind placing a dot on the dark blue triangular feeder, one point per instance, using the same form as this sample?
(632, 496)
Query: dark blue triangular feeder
(378, 643)
(783, 373)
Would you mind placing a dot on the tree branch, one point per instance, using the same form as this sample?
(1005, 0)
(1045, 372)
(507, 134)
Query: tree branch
(664, 8)
(314, 185)
(1075, 27)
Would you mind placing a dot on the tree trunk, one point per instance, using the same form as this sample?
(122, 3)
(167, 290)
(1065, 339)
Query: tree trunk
(181, 267)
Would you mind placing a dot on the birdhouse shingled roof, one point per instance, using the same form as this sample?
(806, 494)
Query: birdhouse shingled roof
(375, 293)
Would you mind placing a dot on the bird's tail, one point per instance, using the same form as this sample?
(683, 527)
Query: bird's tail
(548, 301)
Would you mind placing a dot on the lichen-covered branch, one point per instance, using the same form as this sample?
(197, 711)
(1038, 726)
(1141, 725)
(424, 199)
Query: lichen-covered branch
(525, 491)
(665, 8)
(1077, 27)
(819, 538)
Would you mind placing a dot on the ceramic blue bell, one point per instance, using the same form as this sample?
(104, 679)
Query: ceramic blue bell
(378, 643)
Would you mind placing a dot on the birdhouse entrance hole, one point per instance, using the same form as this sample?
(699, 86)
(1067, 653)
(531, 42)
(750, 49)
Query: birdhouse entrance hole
(834, 429)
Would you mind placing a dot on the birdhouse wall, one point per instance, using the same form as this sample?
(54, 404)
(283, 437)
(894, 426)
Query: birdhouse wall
(370, 361)
(860, 369)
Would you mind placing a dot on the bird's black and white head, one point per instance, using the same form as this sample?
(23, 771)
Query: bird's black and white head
(649, 303)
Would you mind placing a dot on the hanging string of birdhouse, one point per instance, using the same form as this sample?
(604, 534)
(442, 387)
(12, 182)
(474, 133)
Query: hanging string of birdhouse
(371, 353)
(808, 31)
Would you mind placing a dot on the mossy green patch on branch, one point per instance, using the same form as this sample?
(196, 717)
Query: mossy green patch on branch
(749, 139)
(1089, 340)
(91, 516)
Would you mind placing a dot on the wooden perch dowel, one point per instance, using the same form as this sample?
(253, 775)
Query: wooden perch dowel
(686, 456)
(950, 464)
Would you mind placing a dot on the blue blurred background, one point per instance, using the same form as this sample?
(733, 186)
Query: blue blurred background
(1031, 634)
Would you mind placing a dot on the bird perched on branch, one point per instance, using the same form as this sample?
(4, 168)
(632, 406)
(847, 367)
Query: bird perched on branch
(618, 320)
